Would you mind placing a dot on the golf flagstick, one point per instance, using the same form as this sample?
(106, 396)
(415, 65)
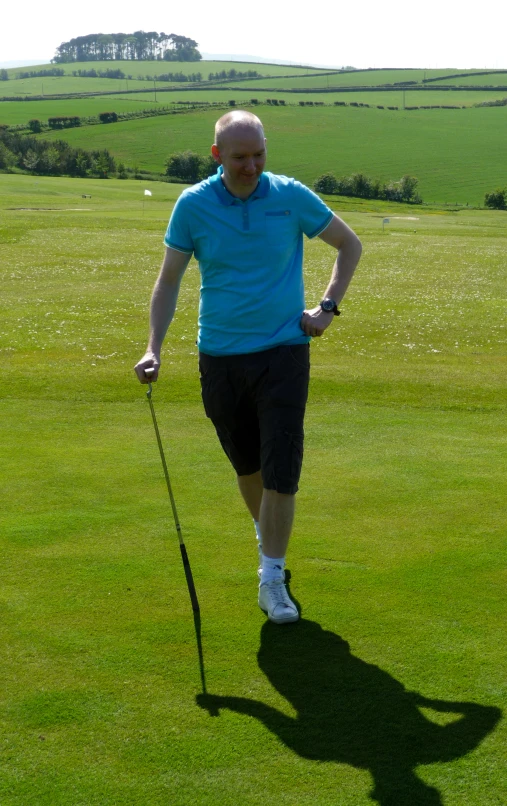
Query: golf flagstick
(184, 556)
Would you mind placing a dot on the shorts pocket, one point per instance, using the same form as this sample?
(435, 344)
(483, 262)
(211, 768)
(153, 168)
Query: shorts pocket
(300, 355)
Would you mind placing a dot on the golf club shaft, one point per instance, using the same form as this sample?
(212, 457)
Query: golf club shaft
(184, 555)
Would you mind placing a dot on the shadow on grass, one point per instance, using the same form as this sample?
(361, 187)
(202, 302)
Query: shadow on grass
(352, 712)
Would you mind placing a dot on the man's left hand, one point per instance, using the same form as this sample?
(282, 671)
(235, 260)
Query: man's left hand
(315, 322)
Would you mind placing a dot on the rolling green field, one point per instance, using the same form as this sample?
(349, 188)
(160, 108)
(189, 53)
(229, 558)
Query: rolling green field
(61, 85)
(372, 78)
(14, 112)
(392, 687)
(305, 142)
(146, 68)
(493, 79)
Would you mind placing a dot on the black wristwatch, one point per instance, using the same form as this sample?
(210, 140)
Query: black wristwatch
(329, 306)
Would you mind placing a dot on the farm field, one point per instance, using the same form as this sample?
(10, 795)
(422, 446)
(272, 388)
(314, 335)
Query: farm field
(306, 142)
(148, 68)
(17, 112)
(63, 85)
(484, 80)
(60, 85)
(391, 689)
(373, 78)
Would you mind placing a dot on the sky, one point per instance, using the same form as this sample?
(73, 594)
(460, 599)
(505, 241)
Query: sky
(361, 33)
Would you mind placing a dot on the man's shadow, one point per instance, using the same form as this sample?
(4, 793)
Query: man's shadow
(352, 712)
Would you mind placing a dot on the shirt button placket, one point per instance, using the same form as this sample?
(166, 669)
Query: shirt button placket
(246, 222)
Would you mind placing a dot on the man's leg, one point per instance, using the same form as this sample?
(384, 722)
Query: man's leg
(276, 519)
(273, 515)
(251, 488)
(277, 515)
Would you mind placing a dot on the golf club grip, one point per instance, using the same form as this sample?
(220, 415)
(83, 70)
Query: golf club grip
(190, 580)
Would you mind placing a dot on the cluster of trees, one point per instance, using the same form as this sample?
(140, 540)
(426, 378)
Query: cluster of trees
(45, 73)
(499, 102)
(190, 167)
(109, 73)
(224, 74)
(361, 186)
(497, 200)
(141, 45)
(174, 77)
(4, 75)
(52, 158)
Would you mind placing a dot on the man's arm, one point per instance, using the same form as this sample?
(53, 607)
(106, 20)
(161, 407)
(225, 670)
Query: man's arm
(163, 305)
(339, 235)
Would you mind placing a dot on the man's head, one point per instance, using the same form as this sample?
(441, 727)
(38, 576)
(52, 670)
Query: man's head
(240, 147)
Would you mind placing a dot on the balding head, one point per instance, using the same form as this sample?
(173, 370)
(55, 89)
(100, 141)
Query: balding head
(236, 124)
(240, 148)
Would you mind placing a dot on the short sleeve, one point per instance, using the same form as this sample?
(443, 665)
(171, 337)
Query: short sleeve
(178, 230)
(314, 215)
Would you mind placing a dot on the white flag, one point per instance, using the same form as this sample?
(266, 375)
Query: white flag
(147, 193)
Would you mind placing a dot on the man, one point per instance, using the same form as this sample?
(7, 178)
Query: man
(245, 227)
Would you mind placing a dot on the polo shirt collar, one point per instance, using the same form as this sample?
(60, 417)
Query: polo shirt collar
(227, 199)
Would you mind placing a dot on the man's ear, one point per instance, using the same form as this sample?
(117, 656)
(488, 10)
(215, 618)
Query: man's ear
(216, 154)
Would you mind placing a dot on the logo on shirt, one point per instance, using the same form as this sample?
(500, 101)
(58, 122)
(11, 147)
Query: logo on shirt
(278, 212)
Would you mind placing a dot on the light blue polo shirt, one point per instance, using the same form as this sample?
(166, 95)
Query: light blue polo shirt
(250, 256)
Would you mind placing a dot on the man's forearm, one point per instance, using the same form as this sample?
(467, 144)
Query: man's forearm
(162, 308)
(343, 269)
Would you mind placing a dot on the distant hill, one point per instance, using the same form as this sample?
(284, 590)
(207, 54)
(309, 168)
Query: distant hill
(242, 57)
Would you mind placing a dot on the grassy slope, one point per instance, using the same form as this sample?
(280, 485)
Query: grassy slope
(399, 545)
(434, 146)
(59, 85)
(360, 78)
(493, 79)
(13, 112)
(145, 68)
(275, 75)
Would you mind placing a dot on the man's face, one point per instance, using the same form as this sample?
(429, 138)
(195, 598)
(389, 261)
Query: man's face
(243, 157)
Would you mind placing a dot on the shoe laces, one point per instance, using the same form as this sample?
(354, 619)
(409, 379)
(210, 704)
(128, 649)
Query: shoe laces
(278, 593)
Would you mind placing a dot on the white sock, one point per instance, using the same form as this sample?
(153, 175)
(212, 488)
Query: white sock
(259, 539)
(272, 568)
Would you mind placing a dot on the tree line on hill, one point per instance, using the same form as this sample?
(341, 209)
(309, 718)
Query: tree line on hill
(58, 158)
(363, 187)
(139, 46)
(39, 157)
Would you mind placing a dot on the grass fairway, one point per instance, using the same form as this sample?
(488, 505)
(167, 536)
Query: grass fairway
(392, 688)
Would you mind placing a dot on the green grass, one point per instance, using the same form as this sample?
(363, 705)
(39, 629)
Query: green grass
(398, 550)
(359, 78)
(147, 68)
(493, 79)
(15, 112)
(61, 85)
(305, 142)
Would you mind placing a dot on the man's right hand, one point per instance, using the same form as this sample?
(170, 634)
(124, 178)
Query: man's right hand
(149, 360)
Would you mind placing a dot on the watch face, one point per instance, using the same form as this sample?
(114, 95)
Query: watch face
(327, 305)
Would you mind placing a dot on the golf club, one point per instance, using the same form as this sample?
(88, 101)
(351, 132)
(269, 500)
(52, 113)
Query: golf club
(184, 556)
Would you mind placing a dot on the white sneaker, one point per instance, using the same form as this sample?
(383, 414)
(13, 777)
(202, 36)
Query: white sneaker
(274, 600)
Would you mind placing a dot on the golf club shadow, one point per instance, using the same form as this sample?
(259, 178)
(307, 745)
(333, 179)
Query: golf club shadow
(352, 712)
